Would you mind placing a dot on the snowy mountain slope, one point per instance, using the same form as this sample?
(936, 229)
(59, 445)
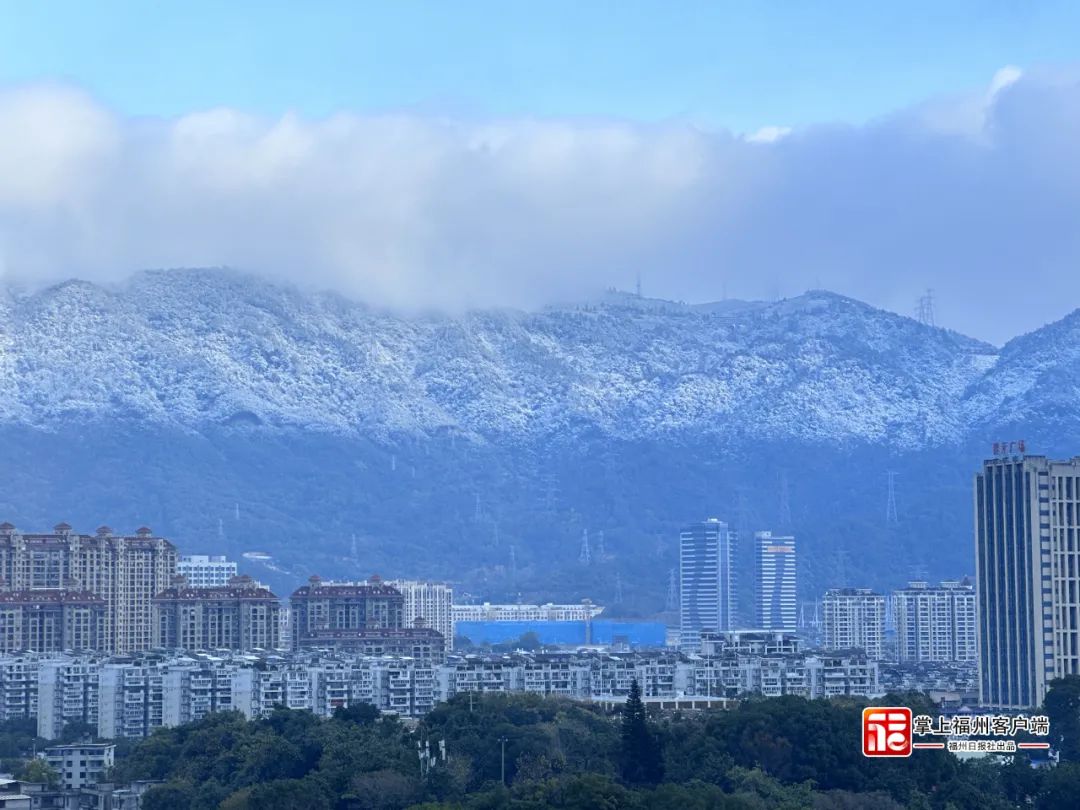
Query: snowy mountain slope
(187, 349)
(1035, 384)
(480, 447)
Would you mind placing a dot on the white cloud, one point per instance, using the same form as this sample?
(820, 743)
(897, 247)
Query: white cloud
(974, 196)
(1008, 75)
(768, 134)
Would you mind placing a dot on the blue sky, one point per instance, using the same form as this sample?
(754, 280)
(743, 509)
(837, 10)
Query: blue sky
(721, 64)
(455, 154)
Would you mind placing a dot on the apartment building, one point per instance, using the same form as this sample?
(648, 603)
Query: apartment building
(125, 571)
(240, 615)
(854, 618)
(935, 623)
(51, 621)
(432, 603)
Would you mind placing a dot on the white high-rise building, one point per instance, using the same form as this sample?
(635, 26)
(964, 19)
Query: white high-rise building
(205, 571)
(854, 617)
(1027, 544)
(706, 581)
(432, 602)
(935, 623)
(777, 606)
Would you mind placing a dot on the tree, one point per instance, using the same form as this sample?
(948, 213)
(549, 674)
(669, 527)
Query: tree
(1062, 708)
(171, 796)
(641, 762)
(76, 731)
(1061, 786)
(529, 641)
(38, 770)
(362, 714)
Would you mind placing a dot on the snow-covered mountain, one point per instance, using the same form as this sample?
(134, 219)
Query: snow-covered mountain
(235, 415)
(191, 348)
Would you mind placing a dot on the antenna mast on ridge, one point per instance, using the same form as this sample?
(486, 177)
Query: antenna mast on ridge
(924, 308)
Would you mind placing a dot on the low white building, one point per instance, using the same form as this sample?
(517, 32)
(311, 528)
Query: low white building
(549, 612)
(80, 765)
(206, 571)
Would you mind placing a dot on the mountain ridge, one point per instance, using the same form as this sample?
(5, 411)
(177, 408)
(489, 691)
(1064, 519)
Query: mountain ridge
(190, 348)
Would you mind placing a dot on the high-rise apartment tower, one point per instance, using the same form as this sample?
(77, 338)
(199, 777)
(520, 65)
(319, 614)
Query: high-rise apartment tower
(706, 580)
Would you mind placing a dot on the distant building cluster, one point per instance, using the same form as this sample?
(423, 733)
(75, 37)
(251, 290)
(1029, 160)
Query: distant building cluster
(120, 632)
(124, 572)
(708, 583)
(130, 696)
(128, 594)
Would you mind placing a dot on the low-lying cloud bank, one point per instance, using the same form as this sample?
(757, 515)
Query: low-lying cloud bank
(976, 196)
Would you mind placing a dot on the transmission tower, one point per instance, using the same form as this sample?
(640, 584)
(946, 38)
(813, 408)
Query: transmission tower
(924, 308)
(513, 563)
(891, 515)
(672, 603)
(600, 551)
(810, 616)
(618, 589)
(638, 285)
(785, 500)
(585, 557)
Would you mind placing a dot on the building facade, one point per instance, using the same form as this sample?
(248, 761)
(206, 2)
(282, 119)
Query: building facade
(706, 580)
(82, 764)
(126, 571)
(1027, 517)
(67, 692)
(131, 696)
(431, 602)
(241, 615)
(51, 621)
(206, 571)
(777, 608)
(854, 617)
(935, 623)
(487, 612)
(368, 618)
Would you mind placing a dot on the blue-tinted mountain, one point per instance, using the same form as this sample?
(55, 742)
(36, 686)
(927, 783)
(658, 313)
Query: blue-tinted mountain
(233, 413)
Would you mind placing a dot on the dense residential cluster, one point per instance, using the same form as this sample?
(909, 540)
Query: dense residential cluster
(130, 696)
